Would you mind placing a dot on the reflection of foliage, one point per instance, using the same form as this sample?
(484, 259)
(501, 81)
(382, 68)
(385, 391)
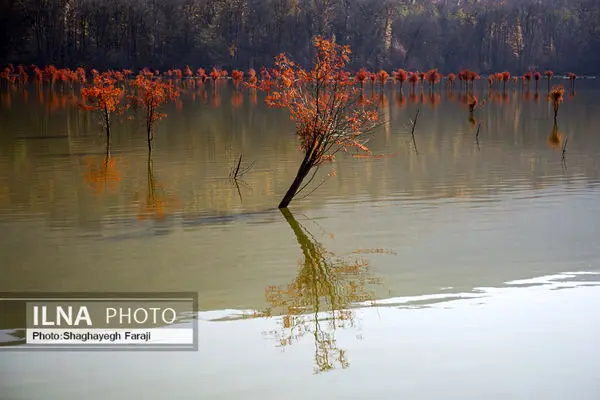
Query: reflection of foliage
(156, 203)
(237, 100)
(555, 138)
(326, 287)
(102, 174)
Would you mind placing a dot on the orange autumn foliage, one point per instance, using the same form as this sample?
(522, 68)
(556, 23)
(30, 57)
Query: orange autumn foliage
(102, 95)
(22, 74)
(400, 76)
(413, 78)
(201, 74)
(382, 77)
(252, 79)
(451, 78)
(472, 102)
(322, 103)
(151, 94)
(312, 110)
(7, 75)
(237, 77)
(433, 77)
(38, 75)
(81, 75)
(215, 74)
(556, 96)
(372, 78)
(361, 76)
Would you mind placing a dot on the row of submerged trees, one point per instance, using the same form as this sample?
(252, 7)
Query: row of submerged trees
(326, 102)
(49, 74)
(66, 77)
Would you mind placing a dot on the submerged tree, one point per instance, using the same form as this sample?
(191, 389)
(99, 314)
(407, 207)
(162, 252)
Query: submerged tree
(382, 77)
(473, 103)
(400, 76)
(433, 77)
(451, 78)
(527, 79)
(237, 77)
(572, 77)
(505, 78)
(413, 78)
(324, 104)
(151, 94)
(536, 77)
(556, 97)
(361, 77)
(102, 96)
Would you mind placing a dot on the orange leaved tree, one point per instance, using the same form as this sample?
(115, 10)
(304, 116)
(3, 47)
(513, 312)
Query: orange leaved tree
(101, 95)
(325, 104)
(150, 94)
(556, 96)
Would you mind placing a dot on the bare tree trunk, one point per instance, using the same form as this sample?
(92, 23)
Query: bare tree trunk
(149, 140)
(107, 123)
(303, 171)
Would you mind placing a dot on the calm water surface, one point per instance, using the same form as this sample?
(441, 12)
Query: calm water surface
(420, 251)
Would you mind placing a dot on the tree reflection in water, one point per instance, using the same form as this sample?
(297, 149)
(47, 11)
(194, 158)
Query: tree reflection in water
(156, 202)
(320, 298)
(555, 139)
(102, 173)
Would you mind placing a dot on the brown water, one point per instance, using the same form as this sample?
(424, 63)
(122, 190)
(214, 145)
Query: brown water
(444, 218)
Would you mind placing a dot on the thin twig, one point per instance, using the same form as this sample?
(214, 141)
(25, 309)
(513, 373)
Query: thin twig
(237, 172)
(477, 134)
(237, 169)
(315, 188)
(412, 131)
(316, 168)
(248, 168)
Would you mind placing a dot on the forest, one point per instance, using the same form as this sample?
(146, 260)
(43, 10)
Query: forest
(484, 35)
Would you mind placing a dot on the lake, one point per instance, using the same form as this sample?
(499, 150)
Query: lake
(457, 265)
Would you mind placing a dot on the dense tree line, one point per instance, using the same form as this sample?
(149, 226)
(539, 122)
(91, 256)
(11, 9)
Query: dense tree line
(486, 35)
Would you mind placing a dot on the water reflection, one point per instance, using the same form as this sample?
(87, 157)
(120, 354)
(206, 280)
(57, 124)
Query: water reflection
(325, 286)
(555, 139)
(157, 201)
(102, 173)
